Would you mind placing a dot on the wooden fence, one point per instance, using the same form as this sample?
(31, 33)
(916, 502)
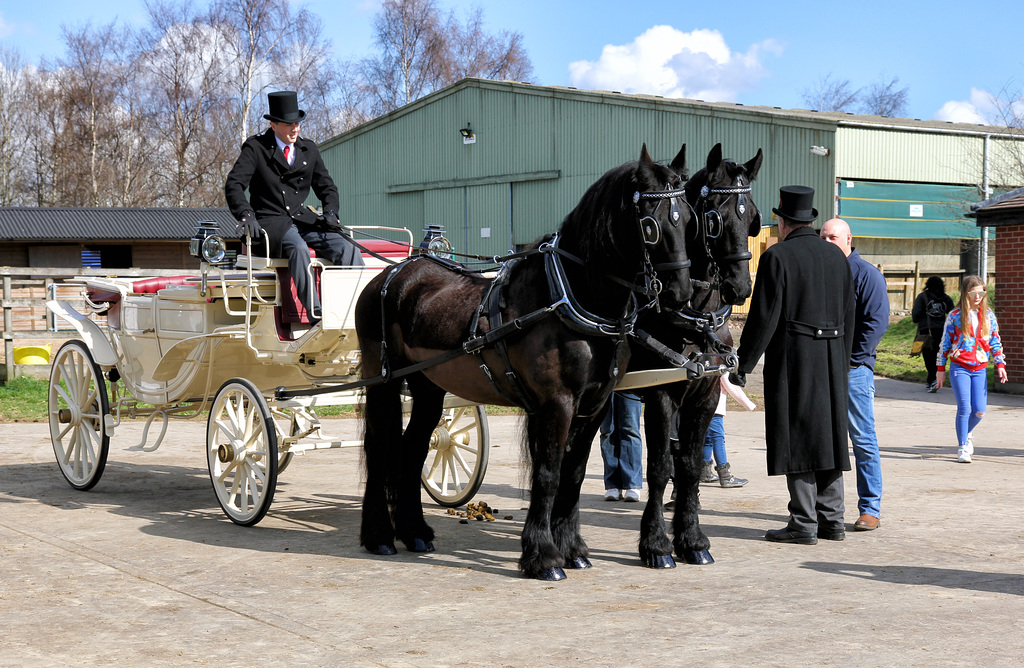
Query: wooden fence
(27, 321)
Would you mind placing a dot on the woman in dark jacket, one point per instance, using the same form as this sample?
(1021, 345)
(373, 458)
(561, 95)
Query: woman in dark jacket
(930, 309)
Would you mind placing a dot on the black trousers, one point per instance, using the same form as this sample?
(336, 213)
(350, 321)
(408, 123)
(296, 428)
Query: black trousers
(815, 500)
(929, 353)
(331, 246)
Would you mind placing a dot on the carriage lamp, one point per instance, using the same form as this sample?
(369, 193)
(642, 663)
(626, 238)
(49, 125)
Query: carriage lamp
(207, 244)
(435, 243)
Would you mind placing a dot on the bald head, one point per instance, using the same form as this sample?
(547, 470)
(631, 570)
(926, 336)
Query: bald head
(836, 231)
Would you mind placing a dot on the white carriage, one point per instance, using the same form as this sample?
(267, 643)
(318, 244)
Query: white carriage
(221, 342)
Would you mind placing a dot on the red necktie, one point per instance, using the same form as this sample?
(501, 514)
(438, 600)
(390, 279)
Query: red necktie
(287, 150)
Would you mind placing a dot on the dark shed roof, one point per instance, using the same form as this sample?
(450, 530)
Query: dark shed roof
(104, 224)
(1005, 209)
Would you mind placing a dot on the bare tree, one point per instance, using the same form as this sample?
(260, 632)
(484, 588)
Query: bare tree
(472, 52)
(885, 99)
(268, 42)
(14, 107)
(409, 65)
(421, 51)
(830, 94)
(185, 62)
(89, 79)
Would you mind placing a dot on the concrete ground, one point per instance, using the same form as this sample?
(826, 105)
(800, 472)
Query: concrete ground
(145, 569)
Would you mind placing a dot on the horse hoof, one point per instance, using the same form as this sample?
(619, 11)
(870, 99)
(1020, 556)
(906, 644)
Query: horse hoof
(420, 545)
(659, 561)
(697, 557)
(578, 563)
(551, 574)
(383, 550)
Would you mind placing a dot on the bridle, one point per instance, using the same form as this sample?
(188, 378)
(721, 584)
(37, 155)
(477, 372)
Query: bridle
(710, 224)
(650, 233)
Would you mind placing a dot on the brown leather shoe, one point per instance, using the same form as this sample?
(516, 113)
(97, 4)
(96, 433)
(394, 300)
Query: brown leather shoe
(866, 523)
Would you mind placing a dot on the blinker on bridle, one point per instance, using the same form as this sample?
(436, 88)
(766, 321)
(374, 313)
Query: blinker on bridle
(711, 224)
(650, 229)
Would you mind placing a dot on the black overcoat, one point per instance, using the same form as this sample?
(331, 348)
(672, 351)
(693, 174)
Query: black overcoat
(277, 191)
(802, 319)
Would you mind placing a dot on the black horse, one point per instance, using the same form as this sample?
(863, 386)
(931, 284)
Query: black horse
(548, 334)
(724, 216)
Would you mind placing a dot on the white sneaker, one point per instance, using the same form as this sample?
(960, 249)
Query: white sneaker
(970, 444)
(612, 495)
(963, 455)
(631, 495)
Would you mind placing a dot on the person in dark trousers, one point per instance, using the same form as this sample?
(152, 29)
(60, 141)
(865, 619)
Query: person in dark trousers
(280, 168)
(802, 320)
(872, 321)
(929, 312)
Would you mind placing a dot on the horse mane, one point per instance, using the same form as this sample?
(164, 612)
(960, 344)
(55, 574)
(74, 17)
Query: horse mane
(590, 225)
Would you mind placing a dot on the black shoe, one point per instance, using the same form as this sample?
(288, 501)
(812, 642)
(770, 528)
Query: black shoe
(837, 534)
(788, 535)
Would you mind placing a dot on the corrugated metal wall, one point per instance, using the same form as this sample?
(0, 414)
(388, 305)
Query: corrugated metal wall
(538, 149)
(890, 155)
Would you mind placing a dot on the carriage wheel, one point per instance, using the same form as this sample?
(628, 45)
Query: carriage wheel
(457, 459)
(77, 405)
(242, 451)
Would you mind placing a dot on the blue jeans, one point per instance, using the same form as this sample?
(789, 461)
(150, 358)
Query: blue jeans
(971, 391)
(865, 442)
(714, 441)
(621, 447)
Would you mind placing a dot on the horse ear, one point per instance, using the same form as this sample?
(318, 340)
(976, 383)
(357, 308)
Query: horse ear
(754, 166)
(714, 159)
(645, 157)
(679, 162)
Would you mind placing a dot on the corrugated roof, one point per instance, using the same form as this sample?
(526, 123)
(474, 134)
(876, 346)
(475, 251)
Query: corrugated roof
(776, 114)
(1005, 209)
(94, 224)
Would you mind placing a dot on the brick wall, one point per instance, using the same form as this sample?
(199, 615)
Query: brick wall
(1010, 299)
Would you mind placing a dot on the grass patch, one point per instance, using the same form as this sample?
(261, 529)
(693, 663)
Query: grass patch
(23, 399)
(894, 360)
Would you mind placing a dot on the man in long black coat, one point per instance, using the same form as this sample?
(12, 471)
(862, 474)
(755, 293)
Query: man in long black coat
(802, 320)
(279, 168)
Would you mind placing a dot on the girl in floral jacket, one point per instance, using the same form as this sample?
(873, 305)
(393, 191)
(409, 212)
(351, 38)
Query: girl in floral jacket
(969, 340)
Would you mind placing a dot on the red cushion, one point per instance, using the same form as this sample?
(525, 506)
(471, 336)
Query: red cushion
(151, 285)
(385, 248)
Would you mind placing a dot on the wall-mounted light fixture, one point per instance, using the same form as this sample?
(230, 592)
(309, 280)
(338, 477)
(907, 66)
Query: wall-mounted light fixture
(467, 135)
(819, 150)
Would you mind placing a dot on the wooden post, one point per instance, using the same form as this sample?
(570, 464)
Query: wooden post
(917, 278)
(8, 327)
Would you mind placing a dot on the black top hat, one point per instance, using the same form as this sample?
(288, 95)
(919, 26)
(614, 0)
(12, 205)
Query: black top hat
(795, 204)
(284, 107)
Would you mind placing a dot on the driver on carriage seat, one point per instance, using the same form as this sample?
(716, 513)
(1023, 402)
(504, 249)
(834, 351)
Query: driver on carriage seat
(279, 168)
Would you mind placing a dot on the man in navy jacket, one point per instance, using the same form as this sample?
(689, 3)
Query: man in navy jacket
(279, 168)
(872, 321)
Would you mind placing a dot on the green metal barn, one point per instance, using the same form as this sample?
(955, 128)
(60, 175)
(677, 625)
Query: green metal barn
(500, 163)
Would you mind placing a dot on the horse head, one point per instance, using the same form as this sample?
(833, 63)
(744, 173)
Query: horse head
(629, 229)
(724, 217)
(659, 202)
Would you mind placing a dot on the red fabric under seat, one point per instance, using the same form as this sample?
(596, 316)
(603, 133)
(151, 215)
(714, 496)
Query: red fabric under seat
(149, 286)
(385, 248)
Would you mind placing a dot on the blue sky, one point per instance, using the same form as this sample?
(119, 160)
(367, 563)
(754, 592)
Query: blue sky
(952, 55)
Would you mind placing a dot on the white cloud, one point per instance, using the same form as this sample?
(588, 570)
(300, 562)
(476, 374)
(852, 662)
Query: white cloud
(6, 29)
(666, 61)
(981, 108)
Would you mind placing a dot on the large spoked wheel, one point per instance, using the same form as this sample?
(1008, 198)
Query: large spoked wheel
(242, 451)
(457, 459)
(77, 406)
